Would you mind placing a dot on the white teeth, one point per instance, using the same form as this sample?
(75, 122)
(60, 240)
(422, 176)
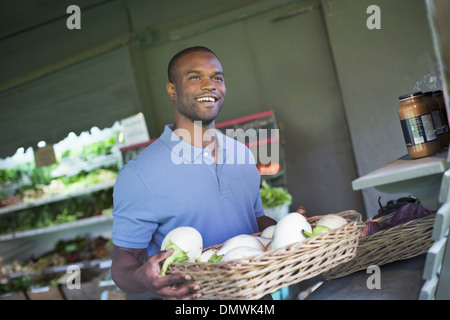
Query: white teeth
(210, 99)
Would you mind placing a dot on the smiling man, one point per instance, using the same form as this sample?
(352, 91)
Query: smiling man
(197, 87)
(166, 186)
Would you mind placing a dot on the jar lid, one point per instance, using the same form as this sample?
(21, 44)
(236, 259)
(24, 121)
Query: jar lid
(410, 95)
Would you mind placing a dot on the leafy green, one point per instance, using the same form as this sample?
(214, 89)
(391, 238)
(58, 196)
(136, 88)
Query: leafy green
(15, 285)
(9, 175)
(88, 152)
(316, 231)
(274, 196)
(215, 257)
(177, 255)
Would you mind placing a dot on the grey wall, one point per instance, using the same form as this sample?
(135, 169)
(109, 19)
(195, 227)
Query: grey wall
(374, 68)
(332, 82)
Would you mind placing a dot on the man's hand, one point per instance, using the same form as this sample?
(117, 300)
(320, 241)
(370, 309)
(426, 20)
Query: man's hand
(132, 275)
(174, 286)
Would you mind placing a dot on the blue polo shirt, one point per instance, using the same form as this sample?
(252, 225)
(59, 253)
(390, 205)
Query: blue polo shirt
(172, 183)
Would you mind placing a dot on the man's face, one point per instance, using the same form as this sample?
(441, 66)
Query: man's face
(199, 87)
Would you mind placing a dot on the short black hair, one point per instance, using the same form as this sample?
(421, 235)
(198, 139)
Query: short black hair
(171, 67)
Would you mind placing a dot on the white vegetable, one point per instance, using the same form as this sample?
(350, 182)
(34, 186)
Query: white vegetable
(187, 245)
(241, 253)
(332, 221)
(289, 230)
(265, 241)
(242, 240)
(268, 232)
(207, 254)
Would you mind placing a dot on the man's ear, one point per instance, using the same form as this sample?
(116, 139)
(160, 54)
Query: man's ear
(170, 87)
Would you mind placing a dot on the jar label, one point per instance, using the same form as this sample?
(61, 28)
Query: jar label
(418, 130)
(436, 114)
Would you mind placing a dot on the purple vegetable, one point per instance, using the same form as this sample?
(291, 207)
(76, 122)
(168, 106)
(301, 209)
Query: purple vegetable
(370, 228)
(409, 212)
(393, 205)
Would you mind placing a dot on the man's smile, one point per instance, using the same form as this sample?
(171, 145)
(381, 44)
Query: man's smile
(207, 99)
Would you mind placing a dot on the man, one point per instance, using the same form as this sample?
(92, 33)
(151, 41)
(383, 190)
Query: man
(190, 176)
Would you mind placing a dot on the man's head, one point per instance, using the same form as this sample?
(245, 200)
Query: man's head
(171, 70)
(196, 84)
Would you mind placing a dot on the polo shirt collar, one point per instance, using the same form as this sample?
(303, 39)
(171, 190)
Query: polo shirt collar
(175, 143)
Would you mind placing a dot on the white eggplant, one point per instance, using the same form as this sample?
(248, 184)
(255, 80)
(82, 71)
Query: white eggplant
(206, 255)
(332, 221)
(187, 245)
(242, 240)
(289, 230)
(268, 232)
(241, 253)
(265, 241)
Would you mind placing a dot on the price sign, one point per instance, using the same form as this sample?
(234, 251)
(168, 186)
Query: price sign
(44, 156)
(135, 130)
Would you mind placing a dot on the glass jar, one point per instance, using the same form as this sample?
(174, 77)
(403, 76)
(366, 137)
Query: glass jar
(439, 98)
(417, 125)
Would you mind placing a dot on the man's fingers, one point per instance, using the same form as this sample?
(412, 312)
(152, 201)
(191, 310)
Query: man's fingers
(177, 286)
(173, 286)
(161, 256)
(179, 278)
(172, 280)
(183, 292)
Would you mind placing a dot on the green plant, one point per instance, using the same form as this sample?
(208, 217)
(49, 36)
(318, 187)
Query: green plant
(274, 196)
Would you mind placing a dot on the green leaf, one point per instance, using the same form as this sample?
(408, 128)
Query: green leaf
(316, 231)
(177, 255)
(274, 196)
(215, 258)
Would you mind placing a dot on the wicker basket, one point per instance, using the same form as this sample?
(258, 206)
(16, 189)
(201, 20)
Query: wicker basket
(397, 243)
(272, 270)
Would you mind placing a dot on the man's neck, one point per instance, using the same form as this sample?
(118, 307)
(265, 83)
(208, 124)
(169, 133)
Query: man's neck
(197, 135)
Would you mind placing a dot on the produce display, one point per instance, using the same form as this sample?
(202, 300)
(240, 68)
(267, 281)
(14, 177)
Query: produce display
(91, 151)
(65, 210)
(18, 276)
(59, 186)
(34, 199)
(75, 168)
(55, 213)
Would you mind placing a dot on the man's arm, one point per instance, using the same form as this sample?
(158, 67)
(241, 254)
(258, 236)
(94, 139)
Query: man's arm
(132, 274)
(264, 222)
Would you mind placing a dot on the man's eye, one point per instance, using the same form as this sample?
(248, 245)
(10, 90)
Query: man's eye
(218, 79)
(194, 77)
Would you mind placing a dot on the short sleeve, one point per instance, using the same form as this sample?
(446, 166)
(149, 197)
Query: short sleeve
(134, 221)
(259, 210)
(258, 207)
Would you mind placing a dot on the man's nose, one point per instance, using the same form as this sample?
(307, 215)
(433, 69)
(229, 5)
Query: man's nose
(207, 84)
